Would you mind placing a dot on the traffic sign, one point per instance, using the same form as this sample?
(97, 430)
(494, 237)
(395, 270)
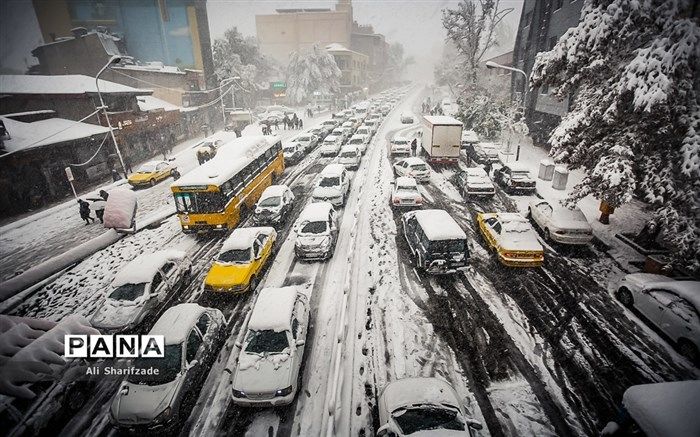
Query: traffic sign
(278, 85)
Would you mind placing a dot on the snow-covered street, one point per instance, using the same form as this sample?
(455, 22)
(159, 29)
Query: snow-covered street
(544, 351)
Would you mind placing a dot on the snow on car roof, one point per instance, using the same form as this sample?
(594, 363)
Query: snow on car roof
(315, 212)
(142, 268)
(405, 181)
(665, 409)
(439, 225)
(242, 238)
(177, 322)
(442, 120)
(231, 158)
(476, 171)
(330, 138)
(348, 148)
(416, 391)
(273, 309)
(274, 191)
(332, 170)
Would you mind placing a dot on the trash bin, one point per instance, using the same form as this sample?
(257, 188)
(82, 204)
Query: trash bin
(560, 178)
(546, 170)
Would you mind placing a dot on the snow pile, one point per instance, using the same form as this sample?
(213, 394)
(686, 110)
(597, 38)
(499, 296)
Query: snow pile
(665, 409)
(120, 211)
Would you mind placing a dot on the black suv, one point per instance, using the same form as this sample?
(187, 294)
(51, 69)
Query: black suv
(437, 243)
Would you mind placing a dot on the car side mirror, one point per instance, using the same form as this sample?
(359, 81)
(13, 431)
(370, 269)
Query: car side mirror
(300, 343)
(386, 431)
(475, 424)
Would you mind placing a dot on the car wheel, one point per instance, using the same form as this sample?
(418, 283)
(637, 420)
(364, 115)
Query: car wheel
(152, 182)
(688, 350)
(625, 297)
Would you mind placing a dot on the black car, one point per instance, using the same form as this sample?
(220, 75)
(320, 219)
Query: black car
(479, 154)
(437, 243)
(514, 178)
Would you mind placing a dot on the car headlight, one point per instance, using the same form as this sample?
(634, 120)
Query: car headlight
(239, 394)
(284, 391)
(165, 415)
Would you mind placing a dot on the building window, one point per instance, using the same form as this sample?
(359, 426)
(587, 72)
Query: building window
(557, 4)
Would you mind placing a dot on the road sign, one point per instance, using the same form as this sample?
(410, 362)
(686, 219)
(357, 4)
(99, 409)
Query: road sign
(278, 85)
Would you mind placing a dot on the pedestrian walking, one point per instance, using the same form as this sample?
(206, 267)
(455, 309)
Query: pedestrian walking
(295, 121)
(127, 164)
(414, 147)
(115, 175)
(276, 123)
(487, 167)
(85, 212)
(301, 124)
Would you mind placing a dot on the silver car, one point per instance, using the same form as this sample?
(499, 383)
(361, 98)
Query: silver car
(140, 289)
(673, 306)
(156, 403)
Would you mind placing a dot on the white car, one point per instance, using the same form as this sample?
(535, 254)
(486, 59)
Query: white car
(306, 141)
(364, 130)
(359, 141)
(330, 124)
(332, 186)
(331, 145)
(406, 119)
(474, 182)
(673, 306)
(341, 133)
(405, 193)
(266, 372)
(292, 152)
(274, 205)
(350, 157)
(400, 146)
(560, 224)
(425, 407)
(413, 167)
(158, 402)
(140, 289)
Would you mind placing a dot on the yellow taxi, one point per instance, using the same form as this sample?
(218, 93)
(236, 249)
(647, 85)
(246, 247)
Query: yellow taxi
(241, 260)
(150, 174)
(512, 237)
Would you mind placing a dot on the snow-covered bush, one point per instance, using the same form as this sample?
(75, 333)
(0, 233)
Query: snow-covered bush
(631, 67)
(309, 72)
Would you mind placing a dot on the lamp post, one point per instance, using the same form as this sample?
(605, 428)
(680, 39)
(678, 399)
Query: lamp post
(491, 65)
(233, 101)
(113, 60)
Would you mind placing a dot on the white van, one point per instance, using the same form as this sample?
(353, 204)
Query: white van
(332, 186)
(350, 157)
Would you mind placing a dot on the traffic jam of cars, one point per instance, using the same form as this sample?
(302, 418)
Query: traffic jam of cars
(256, 333)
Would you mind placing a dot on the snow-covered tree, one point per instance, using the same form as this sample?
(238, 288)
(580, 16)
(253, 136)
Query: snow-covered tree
(631, 67)
(236, 55)
(491, 117)
(311, 71)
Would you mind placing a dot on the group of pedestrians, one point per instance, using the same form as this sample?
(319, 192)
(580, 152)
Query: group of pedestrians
(293, 122)
(98, 205)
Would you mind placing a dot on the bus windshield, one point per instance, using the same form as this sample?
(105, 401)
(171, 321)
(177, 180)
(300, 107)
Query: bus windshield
(204, 202)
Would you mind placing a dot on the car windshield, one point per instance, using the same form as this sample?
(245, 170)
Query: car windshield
(356, 141)
(147, 168)
(428, 417)
(520, 174)
(128, 291)
(443, 246)
(348, 154)
(329, 181)
(168, 367)
(290, 149)
(270, 201)
(304, 139)
(235, 256)
(314, 227)
(400, 142)
(419, 167)
(266, 341)
(406, 188)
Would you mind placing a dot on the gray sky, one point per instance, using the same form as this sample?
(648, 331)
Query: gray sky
(414, 23)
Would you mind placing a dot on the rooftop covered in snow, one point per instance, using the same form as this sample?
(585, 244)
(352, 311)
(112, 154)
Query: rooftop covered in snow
(24, 136)
(150, 103)
(71, 84)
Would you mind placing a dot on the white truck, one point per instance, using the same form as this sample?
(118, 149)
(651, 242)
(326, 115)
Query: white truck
(442, 136)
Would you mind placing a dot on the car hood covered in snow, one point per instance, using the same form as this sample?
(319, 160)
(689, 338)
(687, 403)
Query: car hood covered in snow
(327, 192)
(143, 403)
(263, 374)
(525, 241)
(117, 314)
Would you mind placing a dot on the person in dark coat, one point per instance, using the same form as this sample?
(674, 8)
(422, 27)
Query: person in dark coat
(414, 146)
(104, 195)
(115, 175)
(85, 212)
(276, 123)
(487, 167)
(295, 121)
(301, 124)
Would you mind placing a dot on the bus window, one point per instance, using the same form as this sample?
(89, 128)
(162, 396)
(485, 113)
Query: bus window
(277, 148)
(227, 189)
(183, 202)
(236, 184)
(246, 173)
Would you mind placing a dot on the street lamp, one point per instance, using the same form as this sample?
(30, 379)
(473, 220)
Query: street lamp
(233, 101)
(490, 65)
(113, 60)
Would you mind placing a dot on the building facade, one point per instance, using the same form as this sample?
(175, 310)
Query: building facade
(542, 23)
(294, 30)
(353, 66)
(175, 32)
(364, 40)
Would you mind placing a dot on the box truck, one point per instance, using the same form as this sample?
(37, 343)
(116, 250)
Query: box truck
(442, 136)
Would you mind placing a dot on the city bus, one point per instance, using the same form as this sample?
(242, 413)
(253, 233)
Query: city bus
(217, 194)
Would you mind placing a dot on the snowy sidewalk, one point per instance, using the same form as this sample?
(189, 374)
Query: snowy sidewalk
(628, 218)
